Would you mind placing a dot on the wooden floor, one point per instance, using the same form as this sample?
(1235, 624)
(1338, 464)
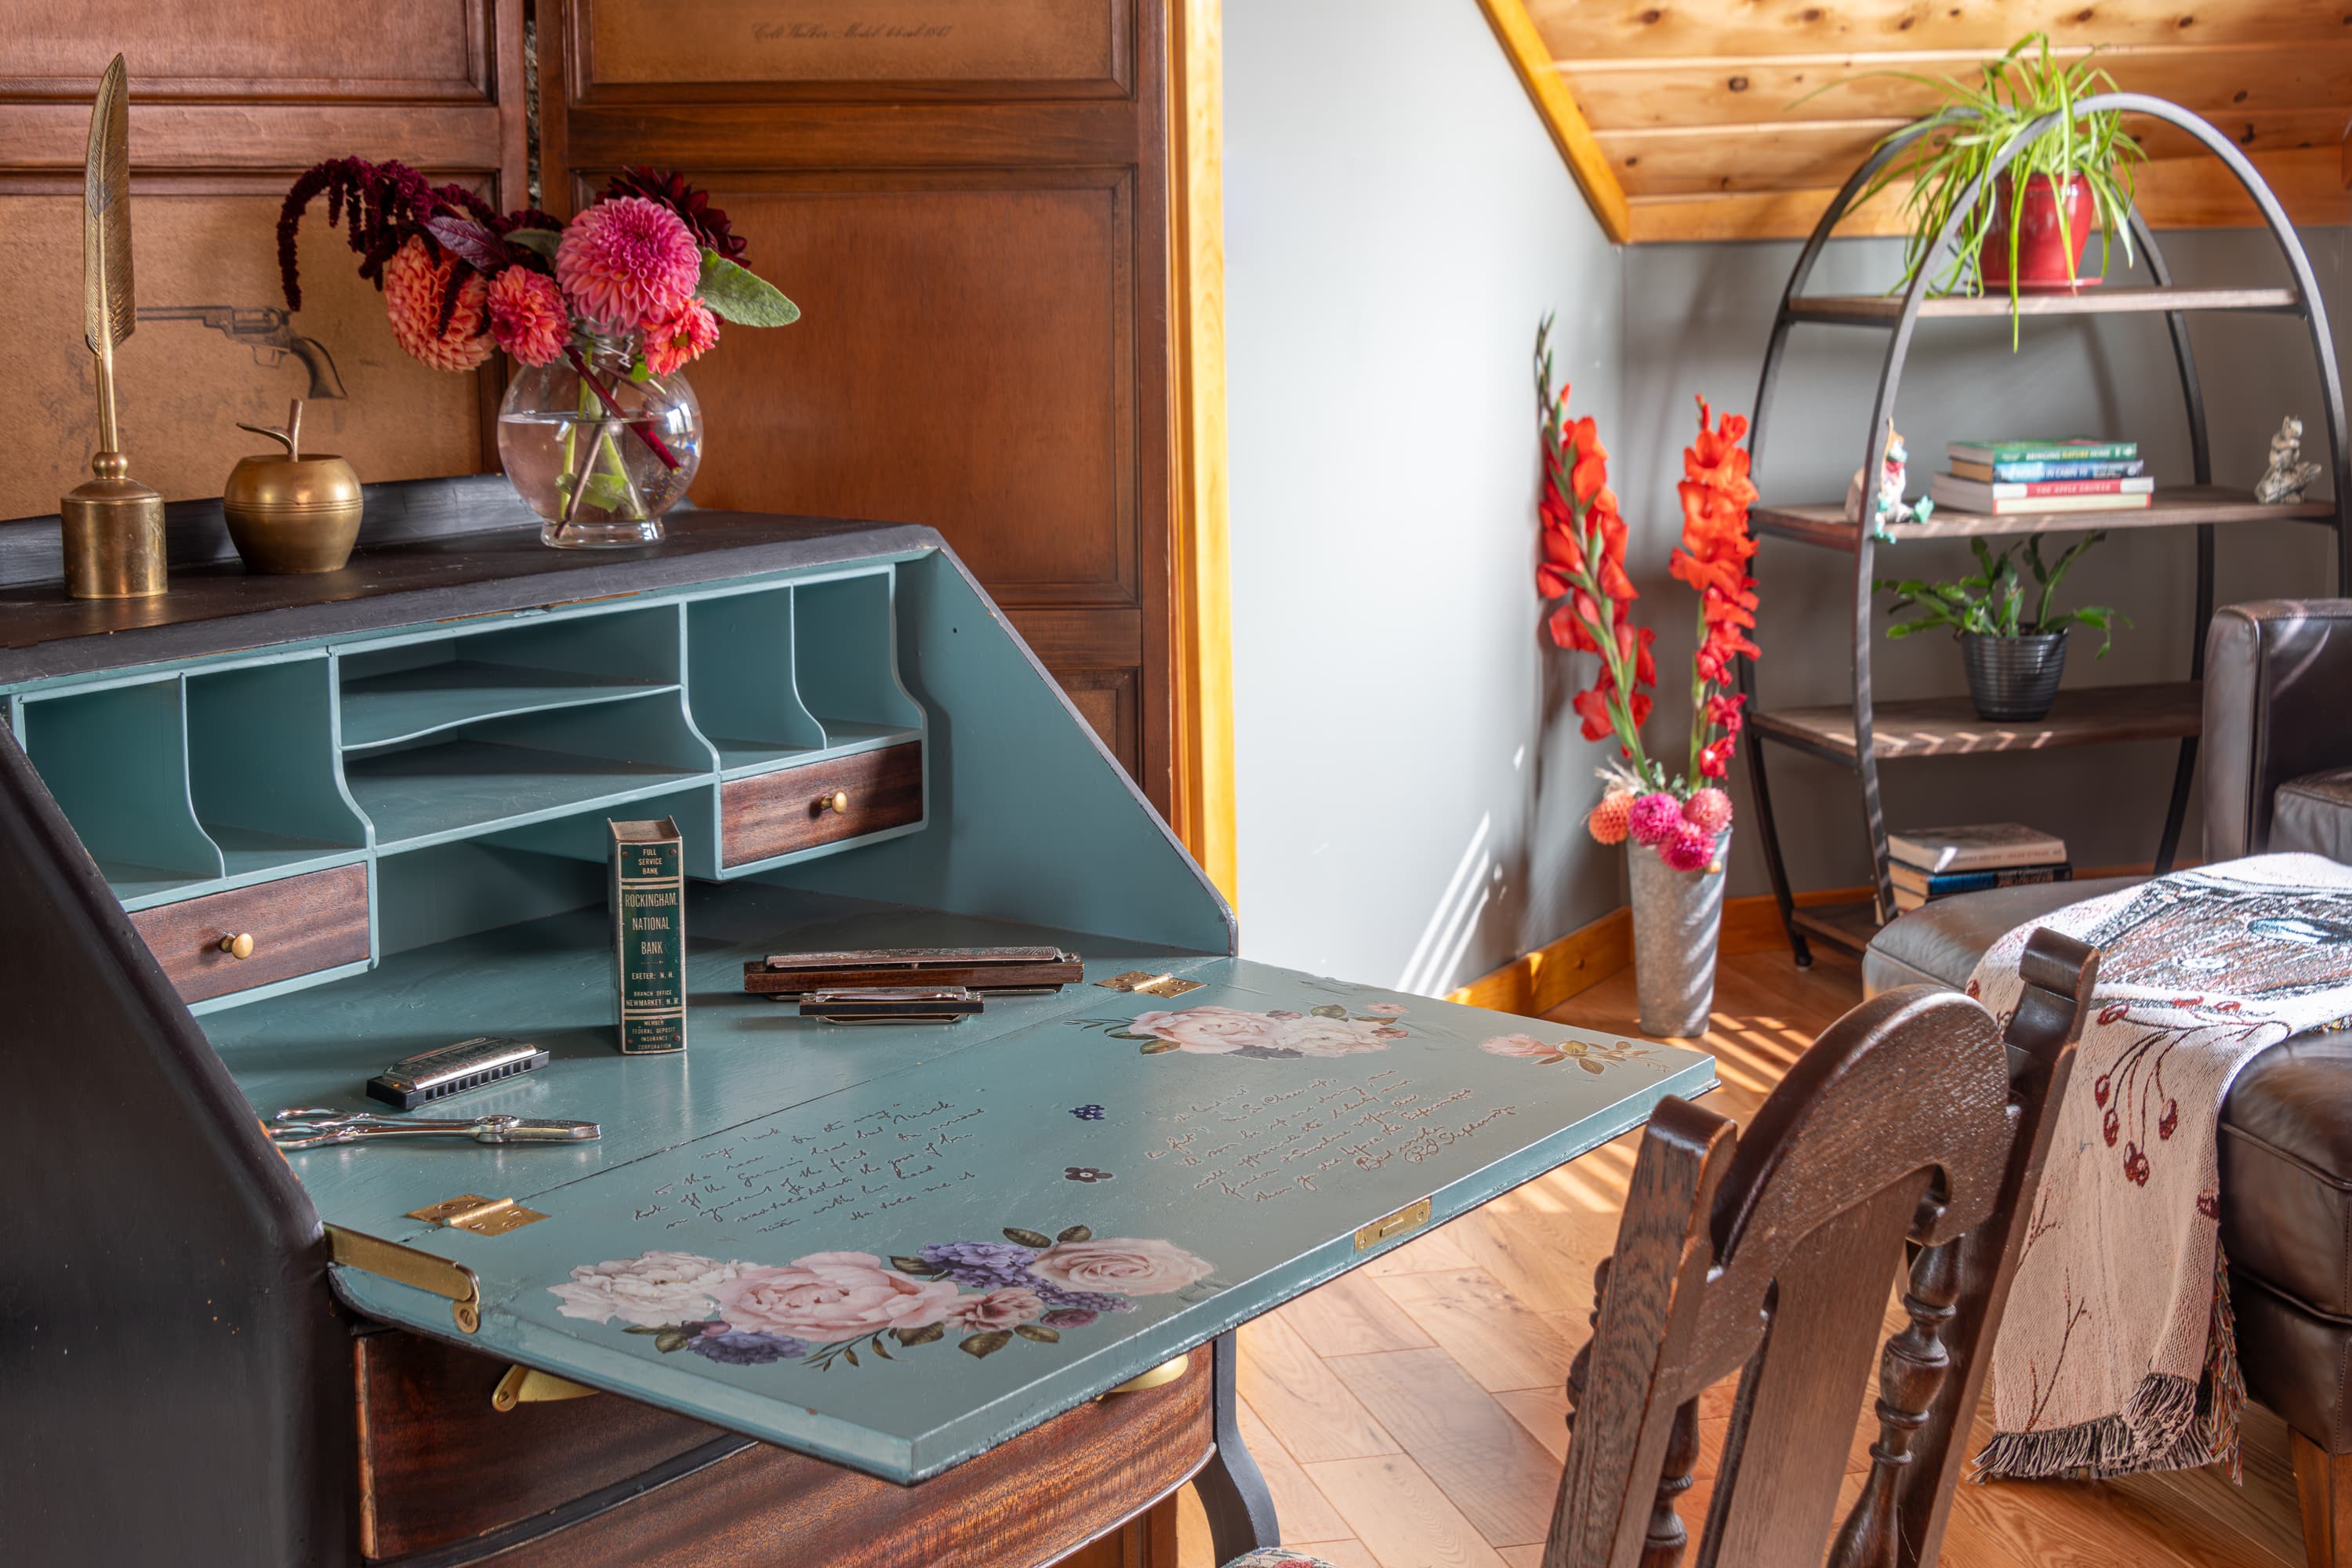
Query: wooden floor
(1409, 1415)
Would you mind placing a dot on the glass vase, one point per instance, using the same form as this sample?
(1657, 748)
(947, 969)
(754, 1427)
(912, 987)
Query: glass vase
(597, 455)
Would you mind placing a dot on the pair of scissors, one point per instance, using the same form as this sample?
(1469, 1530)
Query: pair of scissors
(316, 1127)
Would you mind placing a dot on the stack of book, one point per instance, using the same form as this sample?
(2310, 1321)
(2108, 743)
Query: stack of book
(1995, 478)
(1931, 863)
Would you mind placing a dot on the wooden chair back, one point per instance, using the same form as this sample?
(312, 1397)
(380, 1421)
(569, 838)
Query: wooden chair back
(1772, 1254)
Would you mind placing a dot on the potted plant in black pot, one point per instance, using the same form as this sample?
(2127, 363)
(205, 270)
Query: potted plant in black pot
(2012, 662)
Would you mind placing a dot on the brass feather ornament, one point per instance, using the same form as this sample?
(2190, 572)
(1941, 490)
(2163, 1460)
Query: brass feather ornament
(113, 524)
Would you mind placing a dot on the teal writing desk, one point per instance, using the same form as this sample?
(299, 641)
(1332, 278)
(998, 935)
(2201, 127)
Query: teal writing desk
(895, 1248)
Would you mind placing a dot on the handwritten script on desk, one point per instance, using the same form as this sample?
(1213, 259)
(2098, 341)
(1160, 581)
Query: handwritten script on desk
(1255, 1145)
(773, 1177)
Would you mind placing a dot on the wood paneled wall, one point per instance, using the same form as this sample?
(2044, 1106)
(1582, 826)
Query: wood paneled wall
(971, 205)
(229, 100)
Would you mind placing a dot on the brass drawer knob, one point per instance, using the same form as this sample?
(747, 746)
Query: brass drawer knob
(838, 801)
(239, 945)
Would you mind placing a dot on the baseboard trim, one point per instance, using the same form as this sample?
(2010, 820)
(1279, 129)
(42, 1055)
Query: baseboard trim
(1536, 983)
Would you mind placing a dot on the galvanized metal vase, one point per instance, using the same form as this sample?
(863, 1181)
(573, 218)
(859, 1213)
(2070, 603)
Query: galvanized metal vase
(1678, 920)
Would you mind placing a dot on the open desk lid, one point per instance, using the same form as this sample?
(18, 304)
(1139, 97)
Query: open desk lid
(912, 1268)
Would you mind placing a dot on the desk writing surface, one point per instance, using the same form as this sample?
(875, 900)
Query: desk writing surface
(997, 1219)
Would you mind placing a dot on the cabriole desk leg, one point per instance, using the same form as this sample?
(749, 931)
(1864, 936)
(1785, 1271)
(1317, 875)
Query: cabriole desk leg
(1233, 1493)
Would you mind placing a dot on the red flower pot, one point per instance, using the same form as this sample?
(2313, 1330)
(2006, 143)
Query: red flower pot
(2046, 253)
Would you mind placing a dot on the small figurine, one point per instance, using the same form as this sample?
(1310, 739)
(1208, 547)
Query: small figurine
(1888, 507)
(2288, 475)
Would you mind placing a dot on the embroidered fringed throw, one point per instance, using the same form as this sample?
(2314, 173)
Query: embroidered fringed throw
(2117, 1353)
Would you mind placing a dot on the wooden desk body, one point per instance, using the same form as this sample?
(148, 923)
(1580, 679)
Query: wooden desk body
(894, 1248)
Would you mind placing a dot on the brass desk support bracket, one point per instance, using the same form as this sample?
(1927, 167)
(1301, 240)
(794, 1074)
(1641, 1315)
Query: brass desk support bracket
(407, 1266)
(528, 1385)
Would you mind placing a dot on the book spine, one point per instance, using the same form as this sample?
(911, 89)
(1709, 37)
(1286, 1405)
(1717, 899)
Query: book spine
(649, 944)
(1998, 452)
(2044, 473)
(2007, 491)
(1950, 882)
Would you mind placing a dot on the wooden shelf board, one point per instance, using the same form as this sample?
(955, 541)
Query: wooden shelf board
(381, 708)
(1850, 926)
(1886, 310)
(2173, 506)
(1948, 726)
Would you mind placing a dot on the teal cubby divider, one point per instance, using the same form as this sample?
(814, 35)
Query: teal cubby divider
(422, 688)
(515, 769)
(451, 890)
(739, 682)
(845, 661)
(116, 760)
(261, 766)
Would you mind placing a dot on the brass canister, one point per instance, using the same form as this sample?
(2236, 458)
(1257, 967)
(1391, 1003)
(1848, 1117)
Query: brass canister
(289, 513)
(113, 534)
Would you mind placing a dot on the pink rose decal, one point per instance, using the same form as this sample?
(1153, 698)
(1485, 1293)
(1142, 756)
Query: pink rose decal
(1391, 1009)
(1119, 1265)
(1526, 1045)
(1314, 1037)
(997, 1310)
(656, 1287)
(1210, 1030)
(829, 1296)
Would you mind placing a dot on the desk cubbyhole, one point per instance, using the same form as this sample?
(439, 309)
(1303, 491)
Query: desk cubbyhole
(845, 661)
(414, 690)
(261, 766)
(739, 682)
(117, 761)
(521, 768)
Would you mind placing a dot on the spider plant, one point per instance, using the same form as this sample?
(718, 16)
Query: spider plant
(1991, 602)
(1959, 144)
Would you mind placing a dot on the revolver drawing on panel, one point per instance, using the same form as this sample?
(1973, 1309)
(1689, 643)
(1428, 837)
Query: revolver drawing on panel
(268, 331)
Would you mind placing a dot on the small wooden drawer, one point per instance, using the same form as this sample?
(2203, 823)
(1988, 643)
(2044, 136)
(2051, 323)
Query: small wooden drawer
(821, 802)
(297, 926)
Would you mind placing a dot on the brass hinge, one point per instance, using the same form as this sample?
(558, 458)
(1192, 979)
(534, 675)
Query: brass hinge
(528, 1385)
(407, 1266)
(1145, 983)
(483, 1216)
(1404, 1219)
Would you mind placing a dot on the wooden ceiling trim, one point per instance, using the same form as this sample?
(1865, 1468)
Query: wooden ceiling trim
(1659, 29)
(2215, 80)
(2174, 194)
(1694, 159)
(1532, 60)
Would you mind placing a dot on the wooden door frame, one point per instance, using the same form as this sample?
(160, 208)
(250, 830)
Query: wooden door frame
(1202, 661)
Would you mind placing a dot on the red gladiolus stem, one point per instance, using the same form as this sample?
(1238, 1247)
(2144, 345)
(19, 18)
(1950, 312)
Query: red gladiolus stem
(1702, 730)
(1620, 673)
(604, 394)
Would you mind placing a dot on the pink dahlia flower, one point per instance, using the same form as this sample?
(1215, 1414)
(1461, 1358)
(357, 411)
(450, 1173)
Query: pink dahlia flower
(1653, 817)
(684, 337)
(628, 263)
(414, 290)
(1710, 808)
(1689, 847)
(527, 315)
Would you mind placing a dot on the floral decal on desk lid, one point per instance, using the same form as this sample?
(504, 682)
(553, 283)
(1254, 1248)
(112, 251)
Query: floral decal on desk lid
(1277, 1034)
(828, 1306)
(1545, 1053)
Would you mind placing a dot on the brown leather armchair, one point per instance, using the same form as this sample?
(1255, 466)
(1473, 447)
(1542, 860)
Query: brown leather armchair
(2277, 765)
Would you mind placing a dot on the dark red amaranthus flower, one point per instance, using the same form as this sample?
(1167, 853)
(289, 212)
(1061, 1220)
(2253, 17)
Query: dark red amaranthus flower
(381, 206)
(693, 207)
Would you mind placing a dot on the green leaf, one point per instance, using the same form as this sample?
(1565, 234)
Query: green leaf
(1549, 1060)
(1589, 1065)
(738, 295)
(1127, 1034)
(1076, 1233)
(915, 1266)
(1327, 1011)
(1043, 1336)
(642, 1329)
(542, 240)
(921, 1336)
(1156, 1046)
(1038, 1239)
(849, 1356)
(670, 1339)
(876, 1346)
(986, 1344)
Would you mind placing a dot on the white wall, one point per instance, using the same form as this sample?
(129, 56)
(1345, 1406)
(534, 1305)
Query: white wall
(1410, 779)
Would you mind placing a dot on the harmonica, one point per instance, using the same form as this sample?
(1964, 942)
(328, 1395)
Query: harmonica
(445, 1071)
(985, 968)
(892, 1005)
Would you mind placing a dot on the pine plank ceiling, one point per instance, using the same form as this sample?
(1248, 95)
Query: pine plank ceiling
(1680, 117)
